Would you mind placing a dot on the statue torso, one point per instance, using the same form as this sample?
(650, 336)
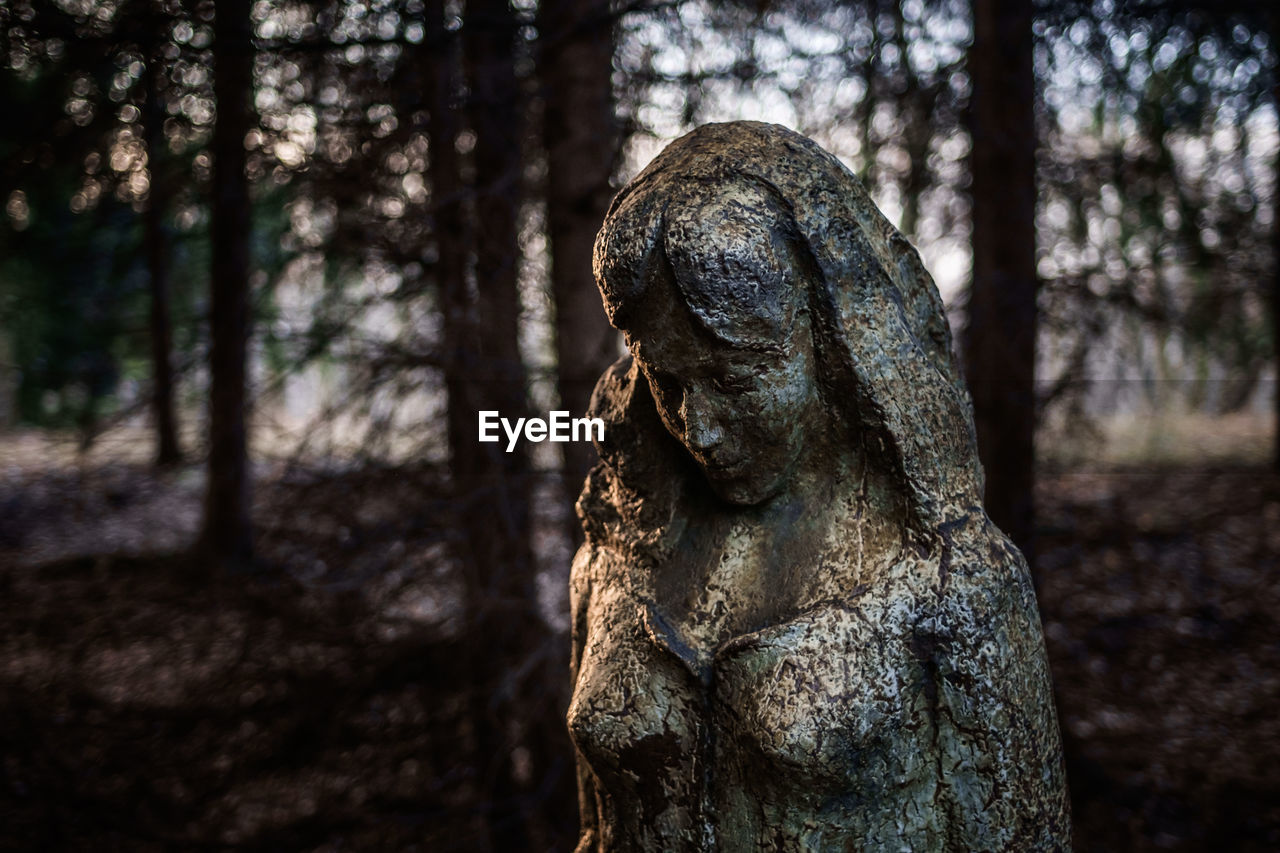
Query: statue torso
(711, 726)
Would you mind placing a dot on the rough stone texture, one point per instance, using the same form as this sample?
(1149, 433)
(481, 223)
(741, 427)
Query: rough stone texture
(794, 626)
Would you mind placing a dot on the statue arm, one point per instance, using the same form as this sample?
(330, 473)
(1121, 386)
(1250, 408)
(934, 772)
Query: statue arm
(579, 595)
(1001, 780)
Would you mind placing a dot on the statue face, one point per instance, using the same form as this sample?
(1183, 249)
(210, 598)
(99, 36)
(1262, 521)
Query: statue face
(748, 417)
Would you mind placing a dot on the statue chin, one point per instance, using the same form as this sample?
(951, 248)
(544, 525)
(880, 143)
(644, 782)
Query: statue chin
(747, 489)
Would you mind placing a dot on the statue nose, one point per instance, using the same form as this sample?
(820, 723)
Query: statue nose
(702, 429)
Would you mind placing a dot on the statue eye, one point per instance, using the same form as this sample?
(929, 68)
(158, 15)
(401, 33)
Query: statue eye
(730, 383)
(667, 387)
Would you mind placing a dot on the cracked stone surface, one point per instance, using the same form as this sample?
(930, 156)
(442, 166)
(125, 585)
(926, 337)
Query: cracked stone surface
(794, 626)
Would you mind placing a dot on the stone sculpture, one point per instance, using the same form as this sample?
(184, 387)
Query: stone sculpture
(794, 627)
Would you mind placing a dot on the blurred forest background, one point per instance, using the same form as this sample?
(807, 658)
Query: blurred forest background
(260, 265)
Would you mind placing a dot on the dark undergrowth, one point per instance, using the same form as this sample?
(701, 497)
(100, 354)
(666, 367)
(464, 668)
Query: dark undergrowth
(1160, 592)
(140, 710)
(322, 704)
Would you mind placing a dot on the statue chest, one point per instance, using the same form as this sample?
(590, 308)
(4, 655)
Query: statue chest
(797, 733)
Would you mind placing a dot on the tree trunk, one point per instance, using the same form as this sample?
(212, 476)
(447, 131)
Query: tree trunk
(168, 451)
(1000, 342)
(449, 228)
(1273, 26)
(503, 609)
(496, 121)
(226, 536)
(581, 139)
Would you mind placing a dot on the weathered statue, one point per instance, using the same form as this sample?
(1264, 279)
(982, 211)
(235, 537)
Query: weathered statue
(794, 626)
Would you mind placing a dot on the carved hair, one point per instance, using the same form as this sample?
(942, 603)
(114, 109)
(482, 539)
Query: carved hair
(876, 315)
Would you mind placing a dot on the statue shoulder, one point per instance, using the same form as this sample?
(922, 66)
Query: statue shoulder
(992, 677)
(981, 574)
(621, 399)
(629, 498)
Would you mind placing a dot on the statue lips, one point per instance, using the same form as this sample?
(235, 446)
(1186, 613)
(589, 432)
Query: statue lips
(717, 465)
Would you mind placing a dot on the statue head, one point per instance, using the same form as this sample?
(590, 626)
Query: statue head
(776, 316)
(718, 324)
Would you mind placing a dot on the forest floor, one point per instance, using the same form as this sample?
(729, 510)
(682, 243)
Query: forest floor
(144, 706)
